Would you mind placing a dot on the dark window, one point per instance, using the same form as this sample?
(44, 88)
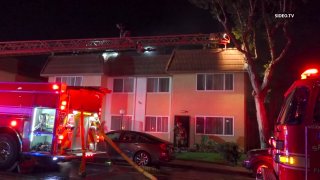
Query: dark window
(215, 81)
(228, 81)
(117, 85)
(115, 136)
(201, 83)
(200, 125)
(129, 137)
(156, 124)
(123, 85)
(228, 126)
(115, 122)
(316, 111)
(294, 108)
(121, 122)
(158, 84)
(214, 125)
(143, 139)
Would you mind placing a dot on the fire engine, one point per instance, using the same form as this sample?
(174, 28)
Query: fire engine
(295, 146)
(46, 121)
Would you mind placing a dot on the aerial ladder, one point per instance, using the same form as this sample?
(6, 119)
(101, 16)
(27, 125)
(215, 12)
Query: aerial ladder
(38, 47)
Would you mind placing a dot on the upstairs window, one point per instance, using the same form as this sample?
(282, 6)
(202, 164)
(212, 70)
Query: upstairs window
(158, 84)
(215, 81)
(123, 85)
(70, 80)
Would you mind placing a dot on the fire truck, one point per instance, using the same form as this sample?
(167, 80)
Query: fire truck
(46, 121)
(295, 147)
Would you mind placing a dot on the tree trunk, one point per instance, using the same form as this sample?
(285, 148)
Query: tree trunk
(262, 119)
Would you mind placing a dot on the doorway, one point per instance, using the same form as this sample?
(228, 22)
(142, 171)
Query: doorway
(181, 131)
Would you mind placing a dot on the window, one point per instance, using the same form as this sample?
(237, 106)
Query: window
(316, 111)
(129, 137)
(156, 124)
(70, 80)
(214, 125)
(121, 121)
(158, 84)
(123, 85)
(114, 136)
(215, 81)
(294, 107)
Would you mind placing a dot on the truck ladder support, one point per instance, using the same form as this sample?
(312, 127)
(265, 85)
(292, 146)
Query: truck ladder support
(37, 47)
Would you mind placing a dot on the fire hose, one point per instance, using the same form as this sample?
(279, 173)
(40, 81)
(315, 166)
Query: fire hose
(115, 147)
(129, 160)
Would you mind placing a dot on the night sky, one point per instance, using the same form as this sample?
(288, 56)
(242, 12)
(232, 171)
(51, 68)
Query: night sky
(72, 19)
(65, 19)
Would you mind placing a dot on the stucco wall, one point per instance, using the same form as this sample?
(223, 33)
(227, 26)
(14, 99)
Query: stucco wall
(187, 101)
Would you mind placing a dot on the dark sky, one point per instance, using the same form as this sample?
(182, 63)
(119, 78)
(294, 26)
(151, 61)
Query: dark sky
(64, 19)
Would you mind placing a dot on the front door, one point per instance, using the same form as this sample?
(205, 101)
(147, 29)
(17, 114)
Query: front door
(181, 131)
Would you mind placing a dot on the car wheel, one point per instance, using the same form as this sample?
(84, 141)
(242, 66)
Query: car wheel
(257, 170)
(142, 158)
(8, 151)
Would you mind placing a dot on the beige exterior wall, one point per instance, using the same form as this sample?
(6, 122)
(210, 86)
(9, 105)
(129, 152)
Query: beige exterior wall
(159, 104)
(91, 81)
(183, 100)
(187, 101)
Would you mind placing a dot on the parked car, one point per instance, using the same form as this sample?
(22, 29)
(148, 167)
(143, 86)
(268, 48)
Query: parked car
(257, 159)
(143, 148)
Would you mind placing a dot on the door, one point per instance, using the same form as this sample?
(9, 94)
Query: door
(181, 131)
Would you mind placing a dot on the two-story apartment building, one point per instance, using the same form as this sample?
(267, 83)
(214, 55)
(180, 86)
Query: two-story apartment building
(202, 91)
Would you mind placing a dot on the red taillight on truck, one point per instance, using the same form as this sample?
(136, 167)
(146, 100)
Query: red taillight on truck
(13, 123)
(55, 87)
(63, 105)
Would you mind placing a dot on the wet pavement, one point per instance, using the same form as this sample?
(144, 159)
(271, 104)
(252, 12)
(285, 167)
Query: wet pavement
(177, 169)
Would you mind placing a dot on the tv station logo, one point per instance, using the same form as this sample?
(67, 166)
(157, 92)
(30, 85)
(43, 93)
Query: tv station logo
(284, 16)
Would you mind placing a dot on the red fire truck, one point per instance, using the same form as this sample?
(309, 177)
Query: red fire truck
(296, 141)
(46, 121)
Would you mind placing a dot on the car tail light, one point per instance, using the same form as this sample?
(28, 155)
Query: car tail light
(163, 146)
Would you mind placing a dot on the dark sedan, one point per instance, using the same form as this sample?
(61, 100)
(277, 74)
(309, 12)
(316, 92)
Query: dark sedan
(256, 160)
(143, 148)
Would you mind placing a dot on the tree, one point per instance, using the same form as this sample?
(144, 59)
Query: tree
(260, 30)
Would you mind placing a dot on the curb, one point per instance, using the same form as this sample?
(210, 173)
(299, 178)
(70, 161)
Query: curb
(205, 166)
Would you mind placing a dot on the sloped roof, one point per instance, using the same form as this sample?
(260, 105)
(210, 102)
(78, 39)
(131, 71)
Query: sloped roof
(204, 60)
(73, 64)
(124, 65)
(135, 64)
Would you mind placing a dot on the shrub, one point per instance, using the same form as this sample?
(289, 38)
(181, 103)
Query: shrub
(230, 152)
